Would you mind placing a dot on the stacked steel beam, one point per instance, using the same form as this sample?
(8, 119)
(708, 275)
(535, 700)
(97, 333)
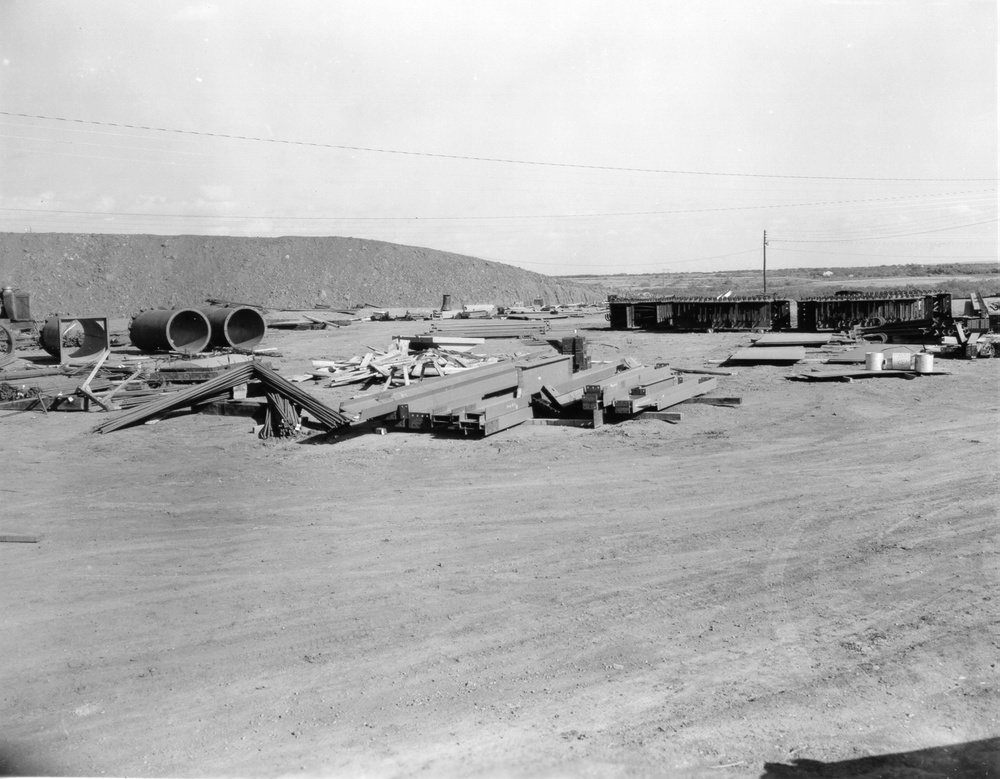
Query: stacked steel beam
(211, 389)
(484, 401)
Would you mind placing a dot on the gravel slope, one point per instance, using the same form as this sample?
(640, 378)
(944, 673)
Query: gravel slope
(119, 275)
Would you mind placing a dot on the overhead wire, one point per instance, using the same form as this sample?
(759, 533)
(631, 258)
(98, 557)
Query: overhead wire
(488, 217)
(473, 158)
(778, 239)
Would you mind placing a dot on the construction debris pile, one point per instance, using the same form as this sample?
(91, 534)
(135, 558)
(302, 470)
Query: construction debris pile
(498, 396)
(428, 382)
(405, 361)
(434, 381)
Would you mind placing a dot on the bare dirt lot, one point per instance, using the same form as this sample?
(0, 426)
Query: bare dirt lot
(809, 577)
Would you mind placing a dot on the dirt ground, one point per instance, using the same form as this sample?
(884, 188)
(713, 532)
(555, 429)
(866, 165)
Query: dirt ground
(779, 589)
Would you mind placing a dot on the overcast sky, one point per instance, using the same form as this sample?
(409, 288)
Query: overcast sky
(565, 136)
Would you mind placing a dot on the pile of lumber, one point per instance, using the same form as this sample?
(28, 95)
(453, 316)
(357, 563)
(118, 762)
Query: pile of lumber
(395, 367)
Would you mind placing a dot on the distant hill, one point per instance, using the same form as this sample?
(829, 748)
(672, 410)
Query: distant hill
(959, 278)
(120, 275)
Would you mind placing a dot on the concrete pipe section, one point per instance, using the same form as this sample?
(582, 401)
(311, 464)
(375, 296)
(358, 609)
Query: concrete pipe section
(170, 330)
(96, 338)
(239, 328)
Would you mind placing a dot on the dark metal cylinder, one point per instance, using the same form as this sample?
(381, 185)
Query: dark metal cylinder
(170, 330)
(446, 303)
(240, 328)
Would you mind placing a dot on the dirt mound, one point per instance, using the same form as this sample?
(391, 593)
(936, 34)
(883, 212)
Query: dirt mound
(119, 275)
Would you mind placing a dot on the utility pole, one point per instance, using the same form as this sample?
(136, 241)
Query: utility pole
(765, 262)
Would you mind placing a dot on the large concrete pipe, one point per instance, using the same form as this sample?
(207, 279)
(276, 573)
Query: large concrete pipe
(170, 330)
(240, 328)
(96, 338)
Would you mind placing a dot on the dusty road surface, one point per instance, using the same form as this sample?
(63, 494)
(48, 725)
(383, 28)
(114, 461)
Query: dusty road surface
(779, 589)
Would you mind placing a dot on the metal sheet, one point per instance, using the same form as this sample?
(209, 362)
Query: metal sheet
(772, 354)
(793, 339)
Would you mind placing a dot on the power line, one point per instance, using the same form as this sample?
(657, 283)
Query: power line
(469, 158)
(100, 145)
(892, 256)
(881, 237)
(495, 217)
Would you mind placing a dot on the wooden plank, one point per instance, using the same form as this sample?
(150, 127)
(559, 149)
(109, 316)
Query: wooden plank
(97, 366)
(17, 538)
(673, 417)
(848, 374)
(105, 404)
(121, 385)
(706, 371)
(710, 401)
(324, 322)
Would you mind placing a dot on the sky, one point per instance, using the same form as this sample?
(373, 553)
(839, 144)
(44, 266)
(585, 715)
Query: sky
(560, 136)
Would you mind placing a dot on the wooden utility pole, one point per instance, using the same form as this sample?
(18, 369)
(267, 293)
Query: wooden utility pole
(765, 262)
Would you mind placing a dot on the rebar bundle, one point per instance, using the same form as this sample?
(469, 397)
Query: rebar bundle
(281, 420)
